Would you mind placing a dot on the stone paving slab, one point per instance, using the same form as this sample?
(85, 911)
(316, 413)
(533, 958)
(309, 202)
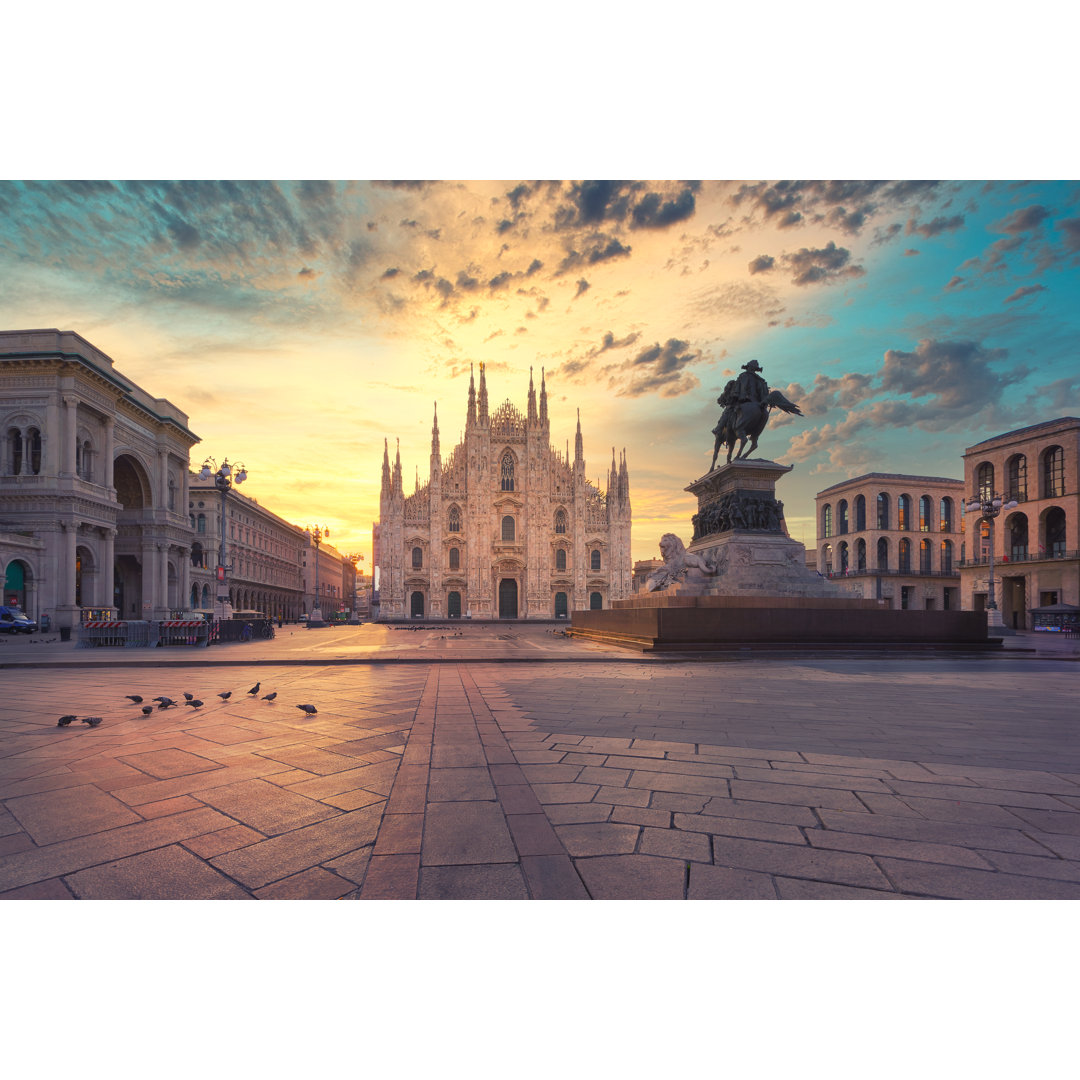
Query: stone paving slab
(612, 780)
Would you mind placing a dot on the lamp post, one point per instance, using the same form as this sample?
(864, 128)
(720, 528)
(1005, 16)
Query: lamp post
(988, 506)
(317, 534)
(356, 558)
(223, 477)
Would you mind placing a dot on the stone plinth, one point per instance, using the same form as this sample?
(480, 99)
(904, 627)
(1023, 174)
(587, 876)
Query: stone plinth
(740, 531)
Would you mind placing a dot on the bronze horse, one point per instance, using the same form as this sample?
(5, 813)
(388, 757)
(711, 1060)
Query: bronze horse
(747, 421)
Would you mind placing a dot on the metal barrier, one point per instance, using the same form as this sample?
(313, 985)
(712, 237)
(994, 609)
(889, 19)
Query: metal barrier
(245, 629)
(183, 632)
(102, 632)
(141, 635)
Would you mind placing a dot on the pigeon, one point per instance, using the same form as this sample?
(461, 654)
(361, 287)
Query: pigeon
(188, 697)
(166, 702)
(93, 721)
(135, 698)
(194, 703)
(309, 709)
(255, 689)
(65, 720)
(147, 710)
(226, 695)
(270, 697)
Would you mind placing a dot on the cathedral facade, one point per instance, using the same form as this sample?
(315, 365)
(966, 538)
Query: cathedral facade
(506, 527)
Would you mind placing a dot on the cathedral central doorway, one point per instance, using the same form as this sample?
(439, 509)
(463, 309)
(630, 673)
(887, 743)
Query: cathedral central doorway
(453, 605)
(508, 598)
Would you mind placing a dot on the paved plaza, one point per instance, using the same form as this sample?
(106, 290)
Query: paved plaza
(511, 762)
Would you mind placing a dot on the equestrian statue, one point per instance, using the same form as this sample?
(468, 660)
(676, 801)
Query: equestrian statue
(747, 402)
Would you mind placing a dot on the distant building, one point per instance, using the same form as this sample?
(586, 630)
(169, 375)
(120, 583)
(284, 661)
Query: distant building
(264, 555)
(508, 527)
(642, 569)
(893, 537)
(1037, 544)
(93, 485)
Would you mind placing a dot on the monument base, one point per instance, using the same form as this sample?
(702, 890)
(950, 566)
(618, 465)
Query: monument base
(658, 624)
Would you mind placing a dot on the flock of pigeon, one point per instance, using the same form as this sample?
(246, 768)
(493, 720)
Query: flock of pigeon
(167, 703)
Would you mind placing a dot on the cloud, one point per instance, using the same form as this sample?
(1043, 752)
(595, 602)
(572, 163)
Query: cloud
(1025, 290)
(582, 286)
(598, 249)
(659, 369)
(653, 212)
(761, 264)
(954, 283)
(912, 251)
(1071, 228)
(1023, 220)
(935, 227)
(814, 266)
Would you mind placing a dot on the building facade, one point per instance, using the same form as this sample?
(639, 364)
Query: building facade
(331, 590)
(264, 555)
(1036, 544)
(93, 485)
(894, 538)
(506, 527)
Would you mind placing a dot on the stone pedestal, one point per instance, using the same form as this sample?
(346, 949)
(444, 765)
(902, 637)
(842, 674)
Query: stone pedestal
(740, 532)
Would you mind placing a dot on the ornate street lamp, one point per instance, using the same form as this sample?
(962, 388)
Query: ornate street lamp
(317, 534)
(989, 506)
(223, 477)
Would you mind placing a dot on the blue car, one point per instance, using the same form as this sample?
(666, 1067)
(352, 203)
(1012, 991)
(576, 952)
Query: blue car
(14, 621)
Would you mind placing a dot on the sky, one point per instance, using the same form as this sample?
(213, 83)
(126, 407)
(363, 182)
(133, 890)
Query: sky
(301, 324)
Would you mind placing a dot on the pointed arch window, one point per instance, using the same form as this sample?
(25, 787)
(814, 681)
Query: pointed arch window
(506, 471)
(453, 521)
(560, 521)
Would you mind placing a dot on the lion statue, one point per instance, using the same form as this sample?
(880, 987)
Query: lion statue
(678, 562)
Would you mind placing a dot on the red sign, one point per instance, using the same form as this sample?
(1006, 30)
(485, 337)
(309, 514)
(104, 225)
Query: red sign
(221, 573)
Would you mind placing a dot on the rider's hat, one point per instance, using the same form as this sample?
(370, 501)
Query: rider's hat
(752, 366)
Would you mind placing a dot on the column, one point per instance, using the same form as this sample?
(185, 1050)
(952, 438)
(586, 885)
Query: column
(67, 447)
(107, 457)
(183, 582)
(149, 579)
(108, 568)
(161, 602)
(52, 437)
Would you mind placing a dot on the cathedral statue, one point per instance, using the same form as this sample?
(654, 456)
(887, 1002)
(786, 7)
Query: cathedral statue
(746, 401)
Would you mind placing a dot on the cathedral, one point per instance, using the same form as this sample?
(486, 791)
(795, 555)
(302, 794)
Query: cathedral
(506, 527)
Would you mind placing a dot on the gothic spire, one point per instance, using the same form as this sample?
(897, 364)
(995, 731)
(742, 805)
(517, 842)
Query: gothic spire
(543, 400)
(471, 415)
(398, 486)
(579, 448)
(435, 433)
(483, 413)
(385, 470)
(532, 397)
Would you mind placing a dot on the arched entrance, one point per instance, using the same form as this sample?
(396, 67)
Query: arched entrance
(560, 605)
(416, 605)
(453, 605)
(596, 601)
(15, 584)
(508, 598)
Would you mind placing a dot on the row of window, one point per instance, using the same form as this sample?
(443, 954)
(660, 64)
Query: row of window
(453, 519)
(455, 558)
(1052, 476)
(453, 605)
(848, 559)
(904, 522)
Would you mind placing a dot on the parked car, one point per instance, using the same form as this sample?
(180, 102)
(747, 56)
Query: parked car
(14, 621)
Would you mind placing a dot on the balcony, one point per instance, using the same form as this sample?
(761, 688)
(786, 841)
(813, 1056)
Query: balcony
(914, 572)
(1039, 556)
